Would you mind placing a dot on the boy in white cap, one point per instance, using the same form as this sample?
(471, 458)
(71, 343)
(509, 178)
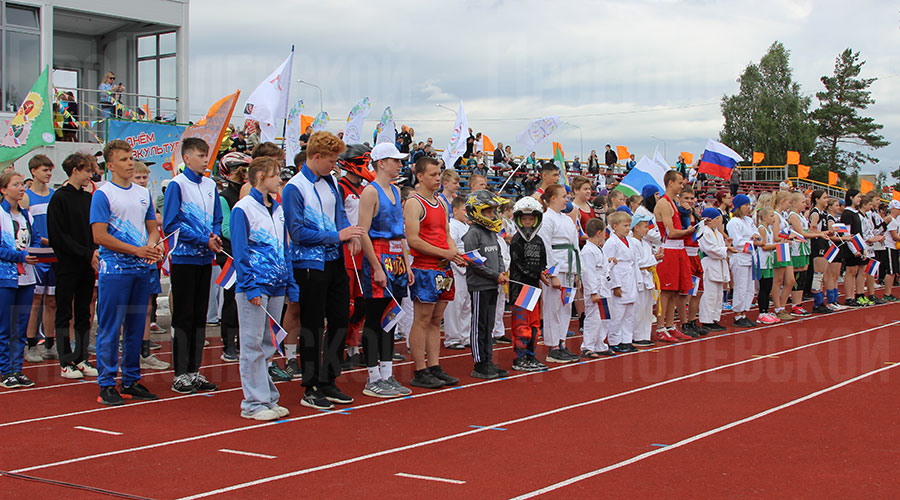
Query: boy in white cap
(645, 260)
(744, 239)
(715, 269)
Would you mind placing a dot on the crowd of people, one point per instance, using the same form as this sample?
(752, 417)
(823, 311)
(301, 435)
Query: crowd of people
(336, 262)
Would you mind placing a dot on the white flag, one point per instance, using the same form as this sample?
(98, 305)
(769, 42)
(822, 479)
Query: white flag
(269, 102)
(660, 160)
(353, 130)
(458, 137)
(293, 132)
(387, 132)
(320, 122)
(537, 132)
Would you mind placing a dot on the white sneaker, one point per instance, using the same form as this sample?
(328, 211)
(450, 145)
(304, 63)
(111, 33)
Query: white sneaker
(87, 369)
(281, 411)
(154, 328)
(151, 362)
(33, 354)
(71, 372)
(264, 415)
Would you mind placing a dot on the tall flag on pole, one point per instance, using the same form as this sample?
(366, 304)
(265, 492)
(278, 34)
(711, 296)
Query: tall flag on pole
(718, 160)
(355, 120)
(537, 132)
(793, 158)
(832, 178)
(758, 157)
(386, 130)
(227, 275)
(622, 153)
(646, 172)
(211, 128)
(269, 102)
(293, 131)
(32, 125)
(528, 297)
(458, 137)
(320, 122)
(559, 158)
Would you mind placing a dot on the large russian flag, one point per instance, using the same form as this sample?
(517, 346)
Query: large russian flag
(718, 160)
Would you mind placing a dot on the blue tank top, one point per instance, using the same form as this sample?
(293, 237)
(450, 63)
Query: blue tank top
(388, 222)
(38, 209)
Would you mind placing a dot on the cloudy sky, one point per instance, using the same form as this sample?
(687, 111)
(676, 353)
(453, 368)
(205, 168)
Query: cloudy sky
(621, 71)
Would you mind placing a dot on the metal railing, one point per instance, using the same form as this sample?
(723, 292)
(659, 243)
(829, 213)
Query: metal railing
(84, 119)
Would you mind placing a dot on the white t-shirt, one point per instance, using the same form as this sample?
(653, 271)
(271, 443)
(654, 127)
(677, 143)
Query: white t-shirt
(889, 240)
(23, 241)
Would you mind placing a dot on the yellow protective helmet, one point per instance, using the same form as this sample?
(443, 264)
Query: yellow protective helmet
(477, 202)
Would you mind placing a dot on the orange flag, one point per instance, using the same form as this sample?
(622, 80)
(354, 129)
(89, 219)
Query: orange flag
(793, 158)
(895, 195)
(210, 128)
(305, 121)
(758, 158)
(558, 146)
(865, 186)
(622, 153)
(832, 178)
(687, 157)
(488, 143)
(802, 171)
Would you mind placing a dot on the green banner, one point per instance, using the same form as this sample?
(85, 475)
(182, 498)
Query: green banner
(32, 126)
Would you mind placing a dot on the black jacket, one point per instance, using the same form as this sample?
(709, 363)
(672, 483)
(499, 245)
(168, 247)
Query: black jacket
(527, 260)
(611, 158)
(69, 227)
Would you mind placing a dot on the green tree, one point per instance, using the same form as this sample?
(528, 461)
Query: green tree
(844, 135)
(768, 114)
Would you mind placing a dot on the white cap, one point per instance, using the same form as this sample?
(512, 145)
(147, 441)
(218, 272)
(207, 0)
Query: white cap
(386, 150)
(894, 204)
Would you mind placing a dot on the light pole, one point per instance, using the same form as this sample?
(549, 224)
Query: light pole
(320, 92)
(664, 144)
(581, 136)
(445, 107)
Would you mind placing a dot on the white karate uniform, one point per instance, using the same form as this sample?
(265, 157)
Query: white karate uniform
(741, 230)
(715, 274)
(625, 275)
(594, 279)
(556, 229)
(499, 326)
(458, 314)
(643, 306)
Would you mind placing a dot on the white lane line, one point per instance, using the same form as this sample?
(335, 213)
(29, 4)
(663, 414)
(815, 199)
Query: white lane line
(101, 431)
(698, 437)
(507, 423)
(430, 478)
(247, 453)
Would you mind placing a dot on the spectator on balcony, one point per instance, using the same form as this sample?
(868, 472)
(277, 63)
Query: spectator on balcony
(69, 108)
(611, 158)
(110, 94)
(785, 185)
(681, 167)
(576, 165)
(593, 162)
(498, 157)
(735, 181)
(531, 162)
(630, 164)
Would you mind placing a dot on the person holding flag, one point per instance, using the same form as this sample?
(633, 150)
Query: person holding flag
(818, 247)
(892, 242)
(384, 274)
(260, 246)
(43, 307)
(528, 260)
(744, 238)
(595, 272)
(852, 257)
(675, 268)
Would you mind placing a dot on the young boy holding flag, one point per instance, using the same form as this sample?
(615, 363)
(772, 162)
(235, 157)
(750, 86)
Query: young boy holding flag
(715, 249)
(528, 261)
(645, 260)
(744, 239)
(624, 276)
(595, 280)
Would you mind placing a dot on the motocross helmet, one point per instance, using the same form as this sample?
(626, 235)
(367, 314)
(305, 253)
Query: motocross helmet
(229, 163)
(478, 202)
(356, 160)
(528, 206)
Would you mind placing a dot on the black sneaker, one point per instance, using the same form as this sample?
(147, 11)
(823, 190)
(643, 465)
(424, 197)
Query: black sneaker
(335, 395)
(484, 371)
(424, 379)
(558, 356)
(10, 382)
(499, 371)
(821, 309)
(628, 347)
(714, 327)
(702, 330)
(570, 354)
(522, 364)
(643, 343)
(137, 391)
(439, 373)
(277, 374)
(854, 303)
(503, 340)
(876, 300)
(889, 298)
(742, 323)
(313, 398)
(536, 363)
(619, 349)
(23, 380)
(230, 357)
(203, 385)
(184, 384)
(110, 396)
(396, 356)
(292, 368)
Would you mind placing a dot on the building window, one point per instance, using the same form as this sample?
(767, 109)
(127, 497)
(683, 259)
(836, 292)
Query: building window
(156, 71)
(20, 46)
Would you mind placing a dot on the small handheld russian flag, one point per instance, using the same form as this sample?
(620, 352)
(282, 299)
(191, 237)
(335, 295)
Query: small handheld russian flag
(603, 305)
(227, 276)
(783, 252)
(503, 232)
(552, 270)
(840, 228)
(695, 286)
(797, 236)
(391, 316)
(872, 267)
(277, 332)
(475, 257)
(44, 255)
(785, 234)
(698, 231)
(528, 297)
(831, 253)
(568, 295)
(858, 243)
(748, 247)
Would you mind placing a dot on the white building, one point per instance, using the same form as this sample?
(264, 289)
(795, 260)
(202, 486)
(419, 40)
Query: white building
(144, 43)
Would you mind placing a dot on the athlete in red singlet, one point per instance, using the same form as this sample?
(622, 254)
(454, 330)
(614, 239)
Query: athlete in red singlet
(674, 270)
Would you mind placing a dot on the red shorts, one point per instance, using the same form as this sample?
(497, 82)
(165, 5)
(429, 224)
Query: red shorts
(696, 269)
(674, 271)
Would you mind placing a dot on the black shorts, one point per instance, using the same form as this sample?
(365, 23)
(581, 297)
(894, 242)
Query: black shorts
(893, 266)
(849, 258)
(818, 247)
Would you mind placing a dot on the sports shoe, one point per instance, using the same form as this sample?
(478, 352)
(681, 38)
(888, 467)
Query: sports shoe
(865, 300)
(608, 352)
(213, 323)
(890, 298)
(699, 328)
(23, 380)
(714, 326)
(69, 371)
(742, 323)
(335, 395)
(663, 336)
(439, 373)
(570, 354)
(619, 349)
(277, 374)
(313, 398)
(49, 353)
(821, 309)
(154, 328)
(673, 332)
(9, 382)
(503, 340)
(726, 306)
(403, 391)
(767, 319)
(644, 343)
(499, 371)
(521, 364)
(396, 356)
(456, 346)
(484, 371)
(838, 306)
(799, 311)
(86, 368)
(263, 415)
(33, 354)
(110, 396)
(155, 346)
(203, 385)
(152, 362)
(537, 363)
(184, 384)
(558, 356)
(425, 380)
(690, 329)
(292, 368)
(137, 391)
(784, 315)
(875, 300)
(280, 411)
(380, 389)
(570, 333)
(351, 362)
(229, 357)
(628, 347)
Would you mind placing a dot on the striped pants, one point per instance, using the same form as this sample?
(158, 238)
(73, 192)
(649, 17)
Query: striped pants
(484, 308)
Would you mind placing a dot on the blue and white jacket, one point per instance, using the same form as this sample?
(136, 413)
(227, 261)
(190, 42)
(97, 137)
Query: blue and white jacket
(192, 207)
(9, 256)
(259, 244)
(314, 234)
(125, 211)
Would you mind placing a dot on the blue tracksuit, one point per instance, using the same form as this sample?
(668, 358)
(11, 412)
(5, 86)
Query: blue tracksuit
(16, 290)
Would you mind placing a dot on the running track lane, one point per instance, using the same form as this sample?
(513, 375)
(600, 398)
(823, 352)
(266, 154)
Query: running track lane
(333, 418)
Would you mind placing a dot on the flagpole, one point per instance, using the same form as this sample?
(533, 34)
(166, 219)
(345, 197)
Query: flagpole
(287, 102)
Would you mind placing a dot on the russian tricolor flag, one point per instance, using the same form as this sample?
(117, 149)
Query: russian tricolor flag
(44, 255)
(227, 276)
(475, 257)
(872, 267)
(840, 228)
(391, 316)
(797, 236)
(528, 297)
(695, 286)
(552, 270)
(277, 332)
(567, 295)
(748, 247)
(832, 253)
(718, 160)
(858, 243)
(603, 305)
(783, 252)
